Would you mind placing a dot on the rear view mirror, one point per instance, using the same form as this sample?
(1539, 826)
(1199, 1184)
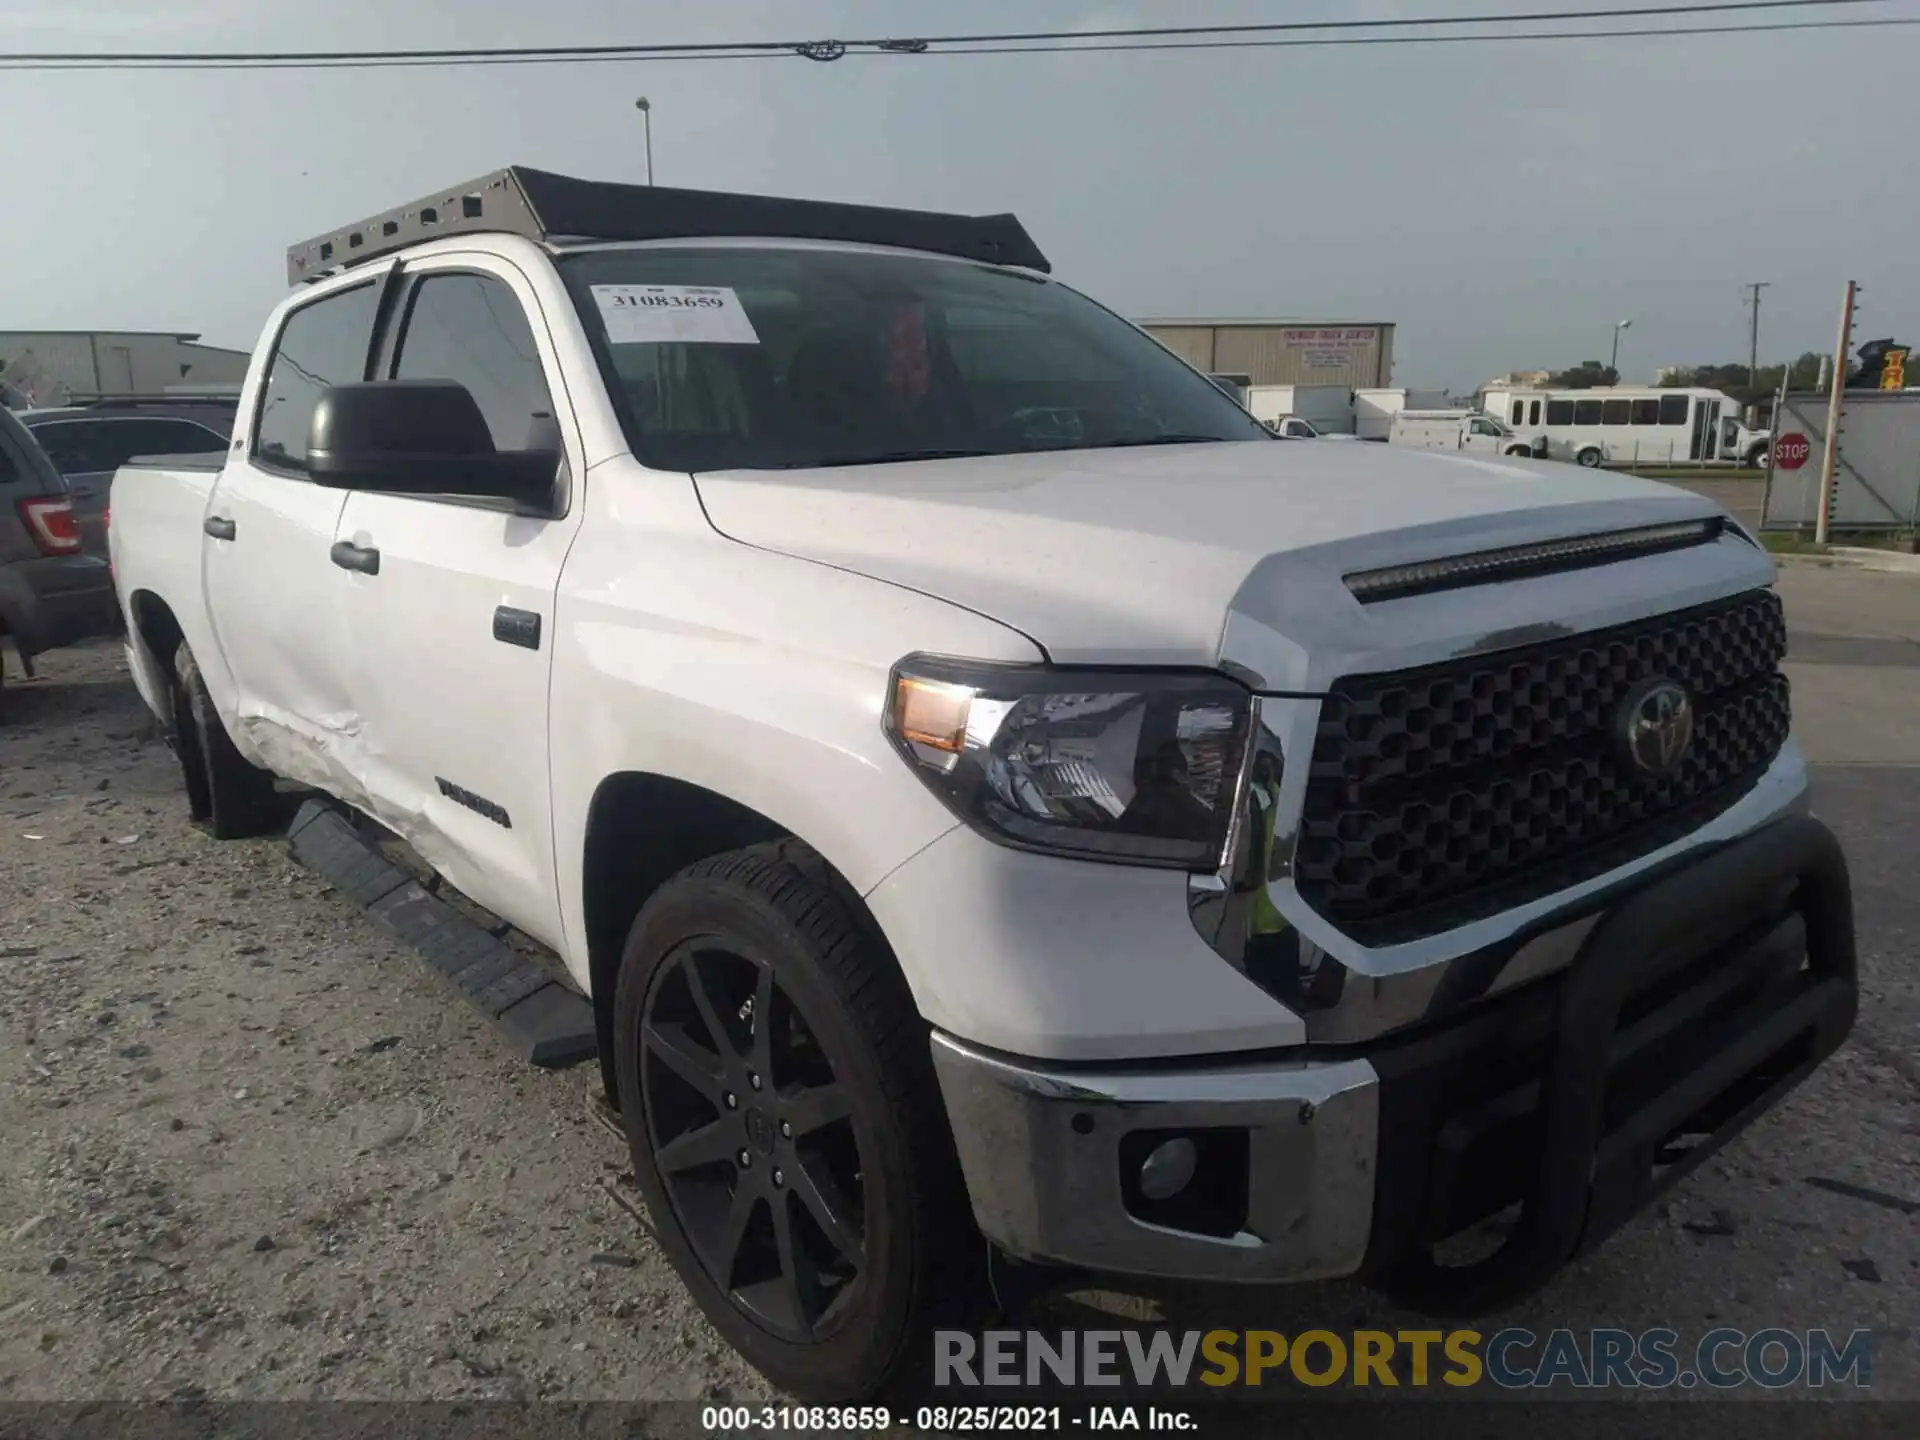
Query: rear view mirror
(420, 437)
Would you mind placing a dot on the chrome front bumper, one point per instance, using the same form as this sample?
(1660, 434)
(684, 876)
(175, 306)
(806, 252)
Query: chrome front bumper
(1693, 1005)
(1042, 1153)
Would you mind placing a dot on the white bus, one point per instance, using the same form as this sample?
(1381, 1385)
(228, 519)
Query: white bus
(1626, 425)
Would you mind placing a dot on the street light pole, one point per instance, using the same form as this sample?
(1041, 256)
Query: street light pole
(1613, 365)
(645, 107)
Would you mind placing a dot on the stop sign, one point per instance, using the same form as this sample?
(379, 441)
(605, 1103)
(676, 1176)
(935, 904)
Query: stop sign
(1790, 452)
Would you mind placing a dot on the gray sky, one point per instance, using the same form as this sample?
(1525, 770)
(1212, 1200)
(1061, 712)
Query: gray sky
(1504, 204)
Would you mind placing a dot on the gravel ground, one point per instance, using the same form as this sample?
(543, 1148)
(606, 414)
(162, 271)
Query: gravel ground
(251, 1148)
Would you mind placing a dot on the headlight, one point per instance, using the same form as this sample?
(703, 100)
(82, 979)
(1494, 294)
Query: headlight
(1135, 767)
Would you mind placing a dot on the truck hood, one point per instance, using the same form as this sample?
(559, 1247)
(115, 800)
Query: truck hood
(1232, 554)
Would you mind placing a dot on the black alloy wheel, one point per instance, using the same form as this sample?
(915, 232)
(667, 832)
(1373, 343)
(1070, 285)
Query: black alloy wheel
(753, 1139)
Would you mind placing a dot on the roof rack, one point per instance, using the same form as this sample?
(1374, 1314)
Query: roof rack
(547, 208)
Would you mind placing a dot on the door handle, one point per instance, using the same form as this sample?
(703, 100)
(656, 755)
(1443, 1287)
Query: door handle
(516, 627)
(349, 556)
(219, 527)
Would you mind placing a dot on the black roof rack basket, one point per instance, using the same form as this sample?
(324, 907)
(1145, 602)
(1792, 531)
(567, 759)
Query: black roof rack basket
(548, 208)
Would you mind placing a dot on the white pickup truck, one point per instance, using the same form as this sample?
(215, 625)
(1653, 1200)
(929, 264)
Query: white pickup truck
(1003, 811)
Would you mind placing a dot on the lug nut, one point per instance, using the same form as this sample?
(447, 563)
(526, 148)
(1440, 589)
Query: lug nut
(778, 1178)
(746, 1160)
(733, 1101)
(754, 1081)
(786, 1130)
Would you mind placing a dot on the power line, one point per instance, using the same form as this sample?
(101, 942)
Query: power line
(1654, 32)
(1313, 42)
(1148, 37)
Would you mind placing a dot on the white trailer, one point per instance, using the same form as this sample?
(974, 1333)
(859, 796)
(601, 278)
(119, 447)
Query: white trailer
(1329, 407)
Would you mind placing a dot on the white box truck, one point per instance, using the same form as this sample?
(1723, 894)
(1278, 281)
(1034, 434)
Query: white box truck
(1328, 407)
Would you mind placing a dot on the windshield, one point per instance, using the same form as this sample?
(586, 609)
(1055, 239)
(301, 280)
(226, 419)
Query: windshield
(741, 358)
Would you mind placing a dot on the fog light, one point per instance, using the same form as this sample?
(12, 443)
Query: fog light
(1165, 1172)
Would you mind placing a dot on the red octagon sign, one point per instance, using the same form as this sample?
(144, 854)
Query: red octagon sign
(1790, 452)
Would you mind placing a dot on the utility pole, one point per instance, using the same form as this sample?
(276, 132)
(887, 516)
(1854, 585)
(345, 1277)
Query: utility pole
(645, 107)
(1830, 452)
(1753, 353)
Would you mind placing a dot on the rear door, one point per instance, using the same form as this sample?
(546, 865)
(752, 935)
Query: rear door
(455, 628)
(275, 599)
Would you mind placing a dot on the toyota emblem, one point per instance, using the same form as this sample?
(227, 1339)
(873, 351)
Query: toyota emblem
(1656, 726)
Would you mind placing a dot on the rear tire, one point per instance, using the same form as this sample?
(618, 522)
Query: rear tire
(754, 999)
(231, 796)
(1590, 457)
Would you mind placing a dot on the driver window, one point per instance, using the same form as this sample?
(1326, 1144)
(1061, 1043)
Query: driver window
(470, 329)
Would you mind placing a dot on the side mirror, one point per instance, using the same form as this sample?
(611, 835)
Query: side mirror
(420, 437)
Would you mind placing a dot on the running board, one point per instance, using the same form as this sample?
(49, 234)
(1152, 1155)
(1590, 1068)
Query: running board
(546, 1023)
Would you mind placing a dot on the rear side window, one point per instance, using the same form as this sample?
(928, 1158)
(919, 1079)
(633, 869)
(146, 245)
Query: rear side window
(1673, 409)
(1586, 412)
(1559, 412)
(23, 463)
(1615, 412)
(1534, 414)
(1519, 412)
(321, 344)
(470, 329)
(173, 437)
(87, 447)
(76, 447)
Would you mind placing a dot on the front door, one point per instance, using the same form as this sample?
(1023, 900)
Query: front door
(454, 621)
(274, 597)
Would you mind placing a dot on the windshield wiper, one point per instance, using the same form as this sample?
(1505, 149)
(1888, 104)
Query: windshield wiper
(886, 457)
(1160, 440)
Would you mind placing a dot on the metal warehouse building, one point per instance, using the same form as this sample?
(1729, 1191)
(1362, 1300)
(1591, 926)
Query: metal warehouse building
(1283, 352)
(51, 367)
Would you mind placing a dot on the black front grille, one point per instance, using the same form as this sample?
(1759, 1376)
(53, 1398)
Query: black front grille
(1444, 794)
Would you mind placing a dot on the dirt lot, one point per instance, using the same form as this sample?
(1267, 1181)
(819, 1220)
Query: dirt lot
(249, 1145)
(251, 1148)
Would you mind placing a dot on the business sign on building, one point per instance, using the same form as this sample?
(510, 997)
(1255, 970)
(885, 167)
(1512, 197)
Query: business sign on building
(1329, 347)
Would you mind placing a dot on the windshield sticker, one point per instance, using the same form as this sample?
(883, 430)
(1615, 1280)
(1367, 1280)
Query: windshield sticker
(665, 314)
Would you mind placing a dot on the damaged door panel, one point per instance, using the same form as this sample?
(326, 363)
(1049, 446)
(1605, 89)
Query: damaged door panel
(456, 732)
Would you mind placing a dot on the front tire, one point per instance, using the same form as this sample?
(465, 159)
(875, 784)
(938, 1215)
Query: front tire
(785, 1124)
(1590, 457)
(231, 796)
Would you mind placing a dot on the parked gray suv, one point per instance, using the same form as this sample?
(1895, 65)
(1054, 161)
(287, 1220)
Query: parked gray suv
(52, 592)
(89, 443)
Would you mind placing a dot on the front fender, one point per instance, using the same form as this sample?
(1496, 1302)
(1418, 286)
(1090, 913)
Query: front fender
(756, 676)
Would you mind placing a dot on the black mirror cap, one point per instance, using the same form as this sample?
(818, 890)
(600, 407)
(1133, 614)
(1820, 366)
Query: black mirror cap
(395, 417)
(420, 437)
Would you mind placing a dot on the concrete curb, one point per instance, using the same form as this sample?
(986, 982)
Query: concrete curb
(1852, 557)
